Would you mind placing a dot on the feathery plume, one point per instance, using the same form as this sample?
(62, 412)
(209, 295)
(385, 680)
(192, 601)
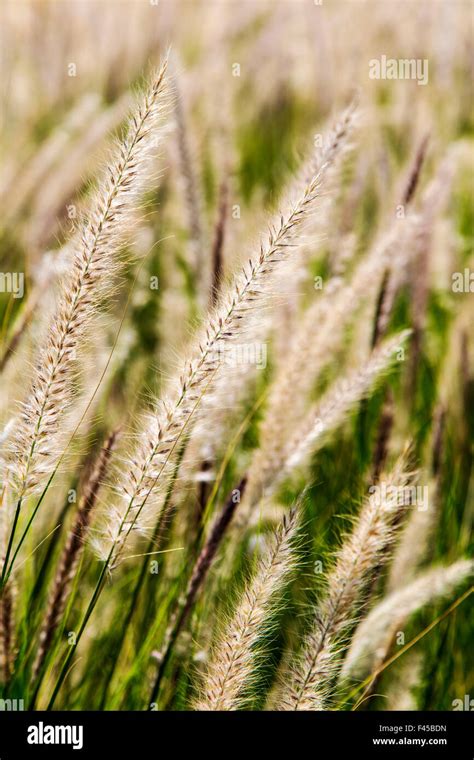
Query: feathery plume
(323, 418)
(401, 694)
(341, 398)
(234, 383)
(393, 610)
(34, 445)
(49, 153)
(313, 672)
(229, 673)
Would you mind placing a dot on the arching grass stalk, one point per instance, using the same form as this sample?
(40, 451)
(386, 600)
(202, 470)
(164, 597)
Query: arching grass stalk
(5, 576)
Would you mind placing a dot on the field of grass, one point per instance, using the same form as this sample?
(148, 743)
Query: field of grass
(236, 355)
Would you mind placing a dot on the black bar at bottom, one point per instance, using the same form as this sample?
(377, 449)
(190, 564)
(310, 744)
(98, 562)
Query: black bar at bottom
(137, 734)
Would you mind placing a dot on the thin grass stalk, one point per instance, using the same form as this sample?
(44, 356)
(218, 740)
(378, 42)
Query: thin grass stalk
(415, 171)
(7, 633)
(217, 256)
(67, 660)
(70, 556)
(384, 431)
